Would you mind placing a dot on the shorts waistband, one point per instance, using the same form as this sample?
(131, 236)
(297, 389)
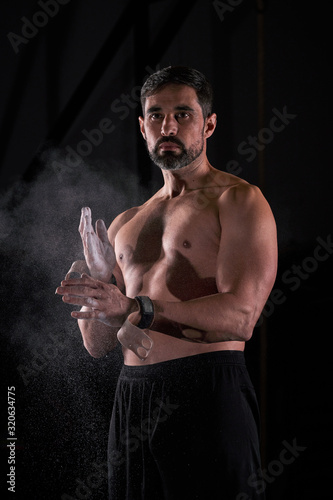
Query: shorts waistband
(172, 367)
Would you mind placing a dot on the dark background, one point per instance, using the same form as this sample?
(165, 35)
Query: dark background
(82, 67)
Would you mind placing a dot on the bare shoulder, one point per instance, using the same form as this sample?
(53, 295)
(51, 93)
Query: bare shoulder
(229, 180)
(244, 198)
(125, 217)
(245, 215)
(236, 195)
(119, 221)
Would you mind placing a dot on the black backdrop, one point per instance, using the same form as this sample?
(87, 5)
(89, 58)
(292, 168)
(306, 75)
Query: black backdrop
(70, 77)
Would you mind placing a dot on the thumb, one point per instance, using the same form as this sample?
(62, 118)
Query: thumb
(101, 231)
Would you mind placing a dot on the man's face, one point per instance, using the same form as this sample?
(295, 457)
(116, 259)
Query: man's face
(174, 127)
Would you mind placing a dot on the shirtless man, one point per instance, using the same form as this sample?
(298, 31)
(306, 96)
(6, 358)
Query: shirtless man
(180, 281)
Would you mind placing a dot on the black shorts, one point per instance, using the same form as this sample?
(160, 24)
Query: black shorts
(185, 429)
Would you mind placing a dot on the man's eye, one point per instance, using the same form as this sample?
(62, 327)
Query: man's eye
(182, 116)
(155, 116)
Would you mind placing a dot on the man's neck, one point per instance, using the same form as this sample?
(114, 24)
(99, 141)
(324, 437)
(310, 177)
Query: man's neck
(190, 177)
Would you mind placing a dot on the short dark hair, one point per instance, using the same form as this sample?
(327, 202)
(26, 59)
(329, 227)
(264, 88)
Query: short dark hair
(180, 75)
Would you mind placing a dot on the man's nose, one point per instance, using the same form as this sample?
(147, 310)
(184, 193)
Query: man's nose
(169, 126)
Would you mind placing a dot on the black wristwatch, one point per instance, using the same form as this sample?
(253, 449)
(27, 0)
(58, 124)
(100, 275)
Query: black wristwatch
(146, 310)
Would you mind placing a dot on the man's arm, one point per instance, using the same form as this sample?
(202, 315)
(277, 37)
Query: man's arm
(105, 307)
(98, 338)
(245, 274)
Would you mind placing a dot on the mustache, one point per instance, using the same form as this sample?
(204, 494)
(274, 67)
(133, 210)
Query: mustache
(169, 139)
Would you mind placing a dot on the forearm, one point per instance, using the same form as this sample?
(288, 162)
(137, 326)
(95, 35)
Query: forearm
(98, 338)
(216, 318)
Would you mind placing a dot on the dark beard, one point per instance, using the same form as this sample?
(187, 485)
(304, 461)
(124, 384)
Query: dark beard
(171, 160)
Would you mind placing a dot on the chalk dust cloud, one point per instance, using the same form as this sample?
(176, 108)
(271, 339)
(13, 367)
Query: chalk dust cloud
(65, 396)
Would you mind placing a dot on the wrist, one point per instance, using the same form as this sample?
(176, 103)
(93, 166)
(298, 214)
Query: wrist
(146, 311)
(133, 314)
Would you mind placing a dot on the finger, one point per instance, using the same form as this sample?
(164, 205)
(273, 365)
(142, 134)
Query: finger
(78, 267)
(87, 226)
(87, 219)
(85, 211)
(91, 242)
(81, 301)
(72, 275)
(80, 286)
(101, 231)
(93, 314)
(82, 293)
(194, 335)
(80, 290)
(84, 279)
(81, 222)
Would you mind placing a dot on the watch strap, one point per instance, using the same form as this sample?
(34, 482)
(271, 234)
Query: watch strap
(147, 311)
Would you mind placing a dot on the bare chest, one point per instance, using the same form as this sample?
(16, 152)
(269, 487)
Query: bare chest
(167, 243)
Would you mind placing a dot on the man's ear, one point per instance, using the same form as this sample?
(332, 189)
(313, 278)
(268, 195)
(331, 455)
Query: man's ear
(142, 127)
(210, 124)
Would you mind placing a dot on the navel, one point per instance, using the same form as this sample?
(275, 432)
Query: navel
(186, 244)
